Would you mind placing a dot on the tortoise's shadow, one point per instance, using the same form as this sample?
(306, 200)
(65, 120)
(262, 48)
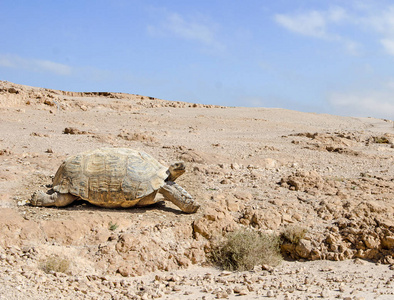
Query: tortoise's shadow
(81, 205)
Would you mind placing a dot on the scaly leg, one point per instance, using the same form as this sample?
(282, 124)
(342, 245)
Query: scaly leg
(179, 196)
(40, 198)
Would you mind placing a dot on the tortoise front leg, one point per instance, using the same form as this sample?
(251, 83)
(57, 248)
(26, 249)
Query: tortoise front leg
(40, 198)
(179, 196)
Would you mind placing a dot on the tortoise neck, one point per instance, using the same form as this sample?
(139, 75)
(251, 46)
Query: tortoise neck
(171, 177)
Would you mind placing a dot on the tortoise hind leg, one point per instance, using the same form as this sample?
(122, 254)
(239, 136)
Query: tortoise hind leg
(179, 196)
(40, 198)
(147, 200)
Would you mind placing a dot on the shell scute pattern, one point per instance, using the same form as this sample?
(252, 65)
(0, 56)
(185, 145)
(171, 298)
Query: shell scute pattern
(103, 177)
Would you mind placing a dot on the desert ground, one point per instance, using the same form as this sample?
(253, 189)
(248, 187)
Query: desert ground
(269, 170)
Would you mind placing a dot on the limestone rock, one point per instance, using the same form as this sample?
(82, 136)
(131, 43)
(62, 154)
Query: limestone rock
(304, 248)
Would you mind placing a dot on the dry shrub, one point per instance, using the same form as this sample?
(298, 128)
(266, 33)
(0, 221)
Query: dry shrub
(293, 234)
(381, 140)
(244, 249)
(54, 264)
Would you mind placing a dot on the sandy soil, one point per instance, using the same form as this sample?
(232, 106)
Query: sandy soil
(266, 169)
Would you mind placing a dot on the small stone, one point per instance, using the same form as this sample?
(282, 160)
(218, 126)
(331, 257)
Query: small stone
(207, 289)
(176, 288)
(232, 205)
(221, 295)
(23, 202)
(267, 268)
(325, 293)
(145, 296)
(358, 261)
(229, 291)
(241, 290)
(297, 216)
(158, 278)
(243, 195)
(235, 166)
(301, 288)
(270, 293)
(342, 287)
(226, 273)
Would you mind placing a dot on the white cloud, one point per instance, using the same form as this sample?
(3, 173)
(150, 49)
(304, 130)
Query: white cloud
(198, 30)
(318, 24)
(388, 45)
(330, 24)
(312, 23)
(35, 65)
(379, 104)
(190, 30)
(382, 22)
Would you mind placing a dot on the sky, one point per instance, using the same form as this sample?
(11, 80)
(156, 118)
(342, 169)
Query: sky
(332, 56)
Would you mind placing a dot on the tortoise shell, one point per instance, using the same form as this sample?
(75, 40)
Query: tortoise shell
(111, 177)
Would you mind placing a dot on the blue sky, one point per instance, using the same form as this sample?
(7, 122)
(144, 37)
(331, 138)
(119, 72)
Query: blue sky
(332, 56)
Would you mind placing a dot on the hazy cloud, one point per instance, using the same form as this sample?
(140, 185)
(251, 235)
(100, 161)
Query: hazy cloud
(328, 24)
(199, 30)
(318, 24)
(312, 23)
(35, 65)
(369, 103)
(190, 30)
(383, 23)
(388, 45)
(381, 20)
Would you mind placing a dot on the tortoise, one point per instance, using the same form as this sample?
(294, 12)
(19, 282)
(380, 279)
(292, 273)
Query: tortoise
(115, 178)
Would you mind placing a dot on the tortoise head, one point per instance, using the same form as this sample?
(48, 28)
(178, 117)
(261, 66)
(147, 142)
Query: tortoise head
(176, 170)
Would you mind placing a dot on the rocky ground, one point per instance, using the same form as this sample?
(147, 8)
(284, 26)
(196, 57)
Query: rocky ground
(271, 170)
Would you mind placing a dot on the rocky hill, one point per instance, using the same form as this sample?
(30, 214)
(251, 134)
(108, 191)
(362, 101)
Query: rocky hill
(270, 170)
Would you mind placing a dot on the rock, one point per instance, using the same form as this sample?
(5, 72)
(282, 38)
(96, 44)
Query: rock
(266, 219)
(287, 218)
(270, 294)
(126, 271)
(303, 181)
(193, 156)
(225, 273)
(241, 290)
(221, 295)
(304, 248)
(127, 242)
(235, 166)
(297, 217)
(215, 221)
(388, 242)
(73, 130)
(243, 195)
(137, 136)
(269, 163)
(325, 293)
(371, 242)
(232, 205)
